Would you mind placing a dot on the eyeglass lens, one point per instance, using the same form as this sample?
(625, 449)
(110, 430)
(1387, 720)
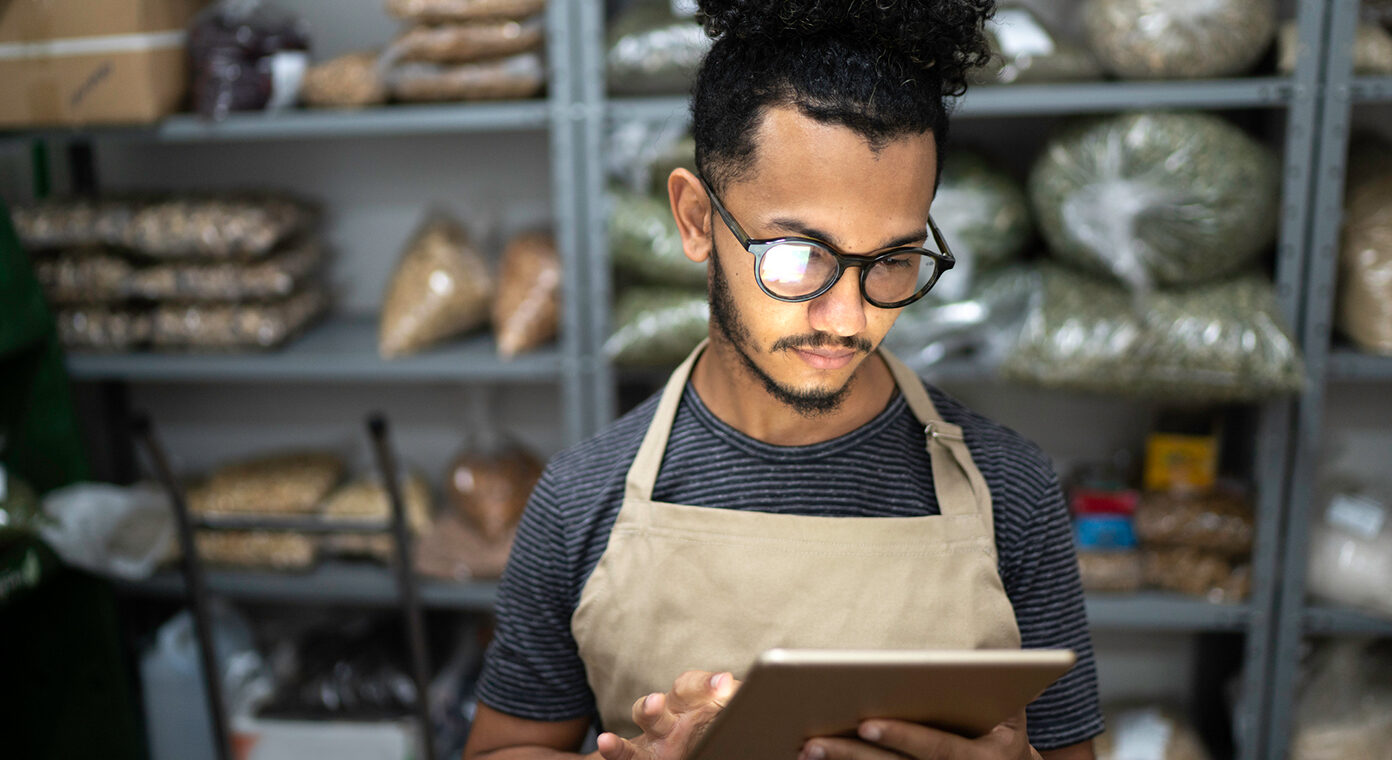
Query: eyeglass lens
(794, 270)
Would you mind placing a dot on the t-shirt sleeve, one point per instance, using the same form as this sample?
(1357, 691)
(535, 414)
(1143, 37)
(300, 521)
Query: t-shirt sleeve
(1041, 578)
(532, 668)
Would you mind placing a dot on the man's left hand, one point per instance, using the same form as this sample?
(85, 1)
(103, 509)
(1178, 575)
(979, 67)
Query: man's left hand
(895, 740)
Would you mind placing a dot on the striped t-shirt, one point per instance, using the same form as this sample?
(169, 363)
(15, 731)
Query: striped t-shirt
(533, 669)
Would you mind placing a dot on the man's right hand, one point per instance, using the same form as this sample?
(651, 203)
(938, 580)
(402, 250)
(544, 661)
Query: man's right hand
(672, 723)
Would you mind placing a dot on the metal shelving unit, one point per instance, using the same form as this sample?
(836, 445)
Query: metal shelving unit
(1326, 364)
(340, 350)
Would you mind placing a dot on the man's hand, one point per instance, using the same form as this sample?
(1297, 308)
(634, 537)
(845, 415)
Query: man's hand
(672, 722)
(894, 740)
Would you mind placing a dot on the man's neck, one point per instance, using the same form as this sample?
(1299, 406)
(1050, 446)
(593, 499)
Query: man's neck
(735, 395)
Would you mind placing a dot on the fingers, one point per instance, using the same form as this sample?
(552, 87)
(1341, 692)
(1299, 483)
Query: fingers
(652, 716)
(916, 740)
(831, 748)
(697, 689)
(612, 747)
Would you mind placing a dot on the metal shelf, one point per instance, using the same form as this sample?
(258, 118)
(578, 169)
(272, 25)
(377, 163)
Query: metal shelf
(1045, 99)
(1159, 611)
(1320, 620)
(330, 583)
(321, 123)
(1348, 364)
(1371, 89)
(341, 349)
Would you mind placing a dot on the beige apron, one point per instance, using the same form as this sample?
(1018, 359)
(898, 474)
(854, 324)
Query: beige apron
(684, 587)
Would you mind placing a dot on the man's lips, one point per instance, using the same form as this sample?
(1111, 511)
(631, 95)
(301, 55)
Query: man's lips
(826, 358)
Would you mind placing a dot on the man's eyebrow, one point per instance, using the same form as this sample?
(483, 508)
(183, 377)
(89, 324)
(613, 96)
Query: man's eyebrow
(802, 229)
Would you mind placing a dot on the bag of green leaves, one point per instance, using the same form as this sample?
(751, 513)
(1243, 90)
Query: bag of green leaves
(653, 51)
(656, 327)
(1222, 341)
(1025, 49)
(645, 243)
(985, 216)
(1156, 198)
(1164, 39)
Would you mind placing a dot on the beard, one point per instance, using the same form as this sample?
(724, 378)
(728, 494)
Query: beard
(807, 402)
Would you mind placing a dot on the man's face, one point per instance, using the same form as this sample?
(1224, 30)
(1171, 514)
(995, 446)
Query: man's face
(824, 182)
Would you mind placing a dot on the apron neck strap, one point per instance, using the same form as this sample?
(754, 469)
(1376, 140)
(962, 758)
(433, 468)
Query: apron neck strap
(959, 485)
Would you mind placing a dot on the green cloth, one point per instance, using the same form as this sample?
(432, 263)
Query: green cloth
(42, 440)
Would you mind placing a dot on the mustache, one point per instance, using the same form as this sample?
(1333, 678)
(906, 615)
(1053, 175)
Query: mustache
(822, 340)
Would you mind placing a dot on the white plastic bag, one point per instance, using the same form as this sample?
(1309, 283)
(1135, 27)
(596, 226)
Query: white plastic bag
(108, 529)
(1351, 550)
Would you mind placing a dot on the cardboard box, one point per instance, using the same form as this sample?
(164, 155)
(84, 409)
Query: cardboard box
(76, 62)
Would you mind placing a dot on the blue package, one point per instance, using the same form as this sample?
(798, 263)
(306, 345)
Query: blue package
(1104, 532)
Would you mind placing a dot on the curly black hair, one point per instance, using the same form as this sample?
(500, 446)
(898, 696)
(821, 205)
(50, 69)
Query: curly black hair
(882, 68)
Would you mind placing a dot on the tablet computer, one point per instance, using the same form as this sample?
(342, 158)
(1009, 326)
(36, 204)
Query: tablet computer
(792, 695)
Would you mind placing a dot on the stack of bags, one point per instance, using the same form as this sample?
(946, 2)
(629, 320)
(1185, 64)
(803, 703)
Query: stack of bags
(204, 273)
(466, 49)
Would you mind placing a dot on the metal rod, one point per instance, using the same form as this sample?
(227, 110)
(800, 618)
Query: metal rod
(197, 589)
(405, 579)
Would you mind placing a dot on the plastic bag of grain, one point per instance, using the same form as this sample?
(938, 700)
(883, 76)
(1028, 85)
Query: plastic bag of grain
(1364, 305)
(653, 51)
(527, 309)
(985, 216)
(84, 276)
(352, 80)
(489, 490)
(441, 288)
(645, 243)
(276, 276)
(1164, 39)
(1344, 709)
(1156, 198)
(468, 41)
(269, 550)
(1025, 49)
(366, 501)
(219, 326)
(277, 484)
(656, 327)
(103, 329)
(517, 76)
(445, 11)
(1222, 341)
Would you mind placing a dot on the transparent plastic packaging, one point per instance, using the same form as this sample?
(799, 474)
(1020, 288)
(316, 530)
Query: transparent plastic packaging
(645, 244)
(235, 225)
(1156, 198)
(446, 11)
(348, 81)
(277, 275)
(90, 276)
(1214, 576)
(102, 329)
(441, 288)
(1344, 709)
(517, 76)
(1119, 571)
(1218, 521)
(526, 313)
(1148, 733)
(657, 327)
(341, 667)
(465, 42)
(276, 484)
(216, 326)
(1026, 49)
(453, 549)
(366, 500)
(118, 531)
(246, 55)
(265, 550)
(983, 326)
(1164, 39)
(985, 216)
(1350, 559)
(490, 490)
(1223, 341)
(1364, 305)
(651, 51)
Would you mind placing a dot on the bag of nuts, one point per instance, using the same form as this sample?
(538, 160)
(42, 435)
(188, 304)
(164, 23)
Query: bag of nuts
(99, 328)
(444, 11)
(276, 276)
(351, 80)
(441, 288)
(471, 41)
(366, 500)
(528, 304)
(518, 76)
(229, 326)
(84, 276)
(279, 484)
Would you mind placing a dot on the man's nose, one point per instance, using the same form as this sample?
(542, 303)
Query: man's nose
(841, 310)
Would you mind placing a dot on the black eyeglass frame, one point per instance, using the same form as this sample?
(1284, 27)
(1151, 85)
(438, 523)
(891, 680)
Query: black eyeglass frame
(942, 259)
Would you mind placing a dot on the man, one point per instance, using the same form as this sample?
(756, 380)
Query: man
(793, 486)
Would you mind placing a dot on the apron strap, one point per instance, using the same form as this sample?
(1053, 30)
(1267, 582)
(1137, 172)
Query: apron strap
(642, 474)
(958, 482)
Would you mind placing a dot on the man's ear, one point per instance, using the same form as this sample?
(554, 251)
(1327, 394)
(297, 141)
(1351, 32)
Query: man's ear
(692, 210)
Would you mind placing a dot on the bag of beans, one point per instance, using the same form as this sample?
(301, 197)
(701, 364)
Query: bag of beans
(490, 490)
(445, 11)
(468, 41)
(441, 288)
(351, 80)
(527, 308)
(518, 76)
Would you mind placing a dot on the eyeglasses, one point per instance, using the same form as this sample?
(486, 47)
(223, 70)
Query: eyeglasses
(796, 269)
